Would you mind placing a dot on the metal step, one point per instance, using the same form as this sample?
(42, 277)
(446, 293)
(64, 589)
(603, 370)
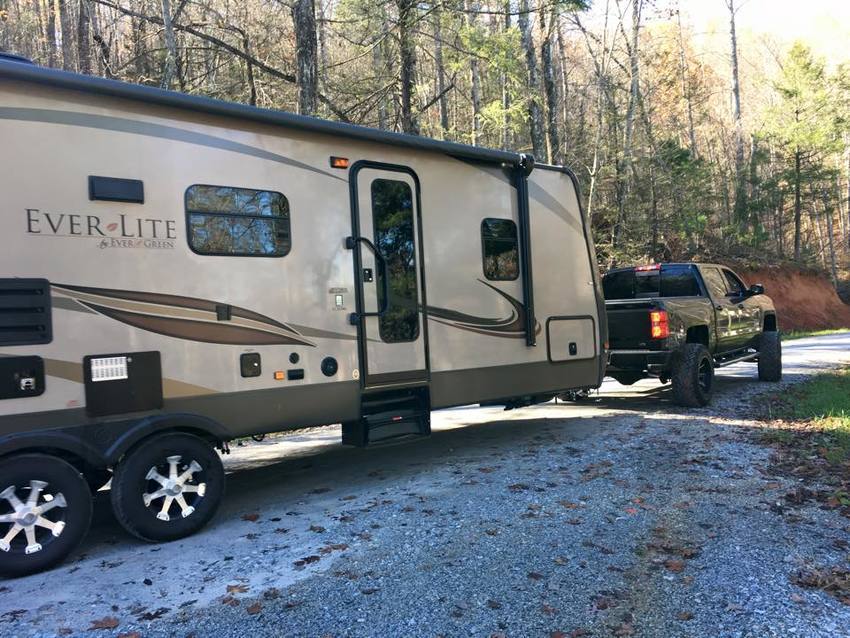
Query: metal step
(389, 415)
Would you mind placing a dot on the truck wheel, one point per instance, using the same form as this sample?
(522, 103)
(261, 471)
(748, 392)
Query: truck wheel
(770, 357)
(45, 511)
(168, 487)
(693, 376)
(627, 378)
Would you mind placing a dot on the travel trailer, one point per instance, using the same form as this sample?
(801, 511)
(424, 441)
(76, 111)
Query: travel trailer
(177, 272)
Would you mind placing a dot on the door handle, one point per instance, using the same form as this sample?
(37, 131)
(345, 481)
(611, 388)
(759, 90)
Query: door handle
(718, 307)
(354, 318)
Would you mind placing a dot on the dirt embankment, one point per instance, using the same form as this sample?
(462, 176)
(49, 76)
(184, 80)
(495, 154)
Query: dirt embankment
(804, 300)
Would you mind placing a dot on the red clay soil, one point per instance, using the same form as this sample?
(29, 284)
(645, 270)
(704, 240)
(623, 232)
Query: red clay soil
(804, 300)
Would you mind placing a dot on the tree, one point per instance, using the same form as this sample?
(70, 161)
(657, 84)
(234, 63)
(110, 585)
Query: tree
(535, 113)
(803, 124)
(306, 56)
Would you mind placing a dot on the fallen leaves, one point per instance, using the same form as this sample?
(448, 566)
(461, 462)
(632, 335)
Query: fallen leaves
(104, 623)
(685, 616)
(835, 581)
(254, 609)
(535, 576)
(237, 589)
(251, 518)
(307, 560)
(333, 547)
(318, 529)
(674, 565)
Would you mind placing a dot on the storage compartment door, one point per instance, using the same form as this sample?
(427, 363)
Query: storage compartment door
(571, 338)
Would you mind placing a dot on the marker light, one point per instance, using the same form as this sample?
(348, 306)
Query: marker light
(339, 162)
(650, 267)
(659, 327)
(279, 375)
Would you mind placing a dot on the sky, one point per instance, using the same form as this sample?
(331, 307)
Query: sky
(822, 24)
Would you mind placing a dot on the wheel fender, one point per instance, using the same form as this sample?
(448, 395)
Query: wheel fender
(57, 440)
(161, 423)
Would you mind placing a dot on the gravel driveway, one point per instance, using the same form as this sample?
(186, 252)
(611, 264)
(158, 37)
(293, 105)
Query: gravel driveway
(621, 517)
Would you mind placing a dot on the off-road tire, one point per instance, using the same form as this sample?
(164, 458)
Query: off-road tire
(61, 478)
(628, 378)
(770, 357)
(693, 376)
(130, 483)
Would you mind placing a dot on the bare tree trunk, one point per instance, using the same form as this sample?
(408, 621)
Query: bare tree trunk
(474, 74)
(549, 89)
(740, 186)
(52, 49)
(830, 239)
(170, 46)
(67, 42)
(686, 88)
(506, 96)
(84, 37)
(378, 68)
(535, 113)
(324, 9)
(441, 70)
(306, 54)
(798, 204)
(407, 58)
(624, 167)
(565, 120)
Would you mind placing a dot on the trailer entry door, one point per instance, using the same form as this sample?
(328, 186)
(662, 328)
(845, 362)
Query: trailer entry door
(387, 258)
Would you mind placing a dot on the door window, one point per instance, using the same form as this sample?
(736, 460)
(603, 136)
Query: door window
(736, 286)
(392, 216)
(714, 282)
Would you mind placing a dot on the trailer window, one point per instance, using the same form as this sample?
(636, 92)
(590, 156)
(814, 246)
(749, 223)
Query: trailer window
(499, 249)
(392, 215)
(225, 220)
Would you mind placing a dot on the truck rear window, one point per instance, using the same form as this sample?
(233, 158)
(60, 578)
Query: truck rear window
(669, 281)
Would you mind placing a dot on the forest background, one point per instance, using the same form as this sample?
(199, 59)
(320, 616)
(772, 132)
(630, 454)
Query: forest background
(699, 129)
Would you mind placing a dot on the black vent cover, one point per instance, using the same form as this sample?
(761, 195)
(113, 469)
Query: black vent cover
(25, 316)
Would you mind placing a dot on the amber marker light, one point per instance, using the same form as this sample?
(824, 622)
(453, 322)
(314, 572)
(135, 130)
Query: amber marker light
(279, 375)
(339, 162)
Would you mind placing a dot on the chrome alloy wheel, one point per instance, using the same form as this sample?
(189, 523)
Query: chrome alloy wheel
(30, 517)
(183, 487)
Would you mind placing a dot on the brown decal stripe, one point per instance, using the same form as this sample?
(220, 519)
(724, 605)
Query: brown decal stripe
(176, 301)
(511, 327)
(204, 331)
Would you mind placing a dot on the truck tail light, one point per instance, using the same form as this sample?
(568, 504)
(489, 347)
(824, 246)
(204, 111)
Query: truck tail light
(659, 327)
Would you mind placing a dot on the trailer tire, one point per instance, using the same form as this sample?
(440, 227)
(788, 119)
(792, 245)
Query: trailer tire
(693, 376)
(770, 357)
(628, 378)
(168, 487)
(56, 529)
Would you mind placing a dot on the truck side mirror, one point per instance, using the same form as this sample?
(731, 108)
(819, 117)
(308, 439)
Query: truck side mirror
(756, 289)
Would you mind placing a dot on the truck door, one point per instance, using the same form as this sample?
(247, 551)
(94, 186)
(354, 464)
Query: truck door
(387, 246)
(748, 317)
(724, 310)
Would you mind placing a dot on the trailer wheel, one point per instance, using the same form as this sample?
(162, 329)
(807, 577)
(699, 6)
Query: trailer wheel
(770, 357)
(168, 487)
(45, 511)
(693, 376)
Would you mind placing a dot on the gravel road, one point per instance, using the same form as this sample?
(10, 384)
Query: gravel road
(624, 516)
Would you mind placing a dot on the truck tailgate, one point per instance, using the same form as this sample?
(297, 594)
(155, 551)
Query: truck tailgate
(629, 324)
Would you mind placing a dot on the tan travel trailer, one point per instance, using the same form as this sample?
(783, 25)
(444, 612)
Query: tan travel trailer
(177, 272)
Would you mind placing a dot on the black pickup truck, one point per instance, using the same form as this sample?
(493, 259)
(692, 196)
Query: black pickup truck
(679, 322)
